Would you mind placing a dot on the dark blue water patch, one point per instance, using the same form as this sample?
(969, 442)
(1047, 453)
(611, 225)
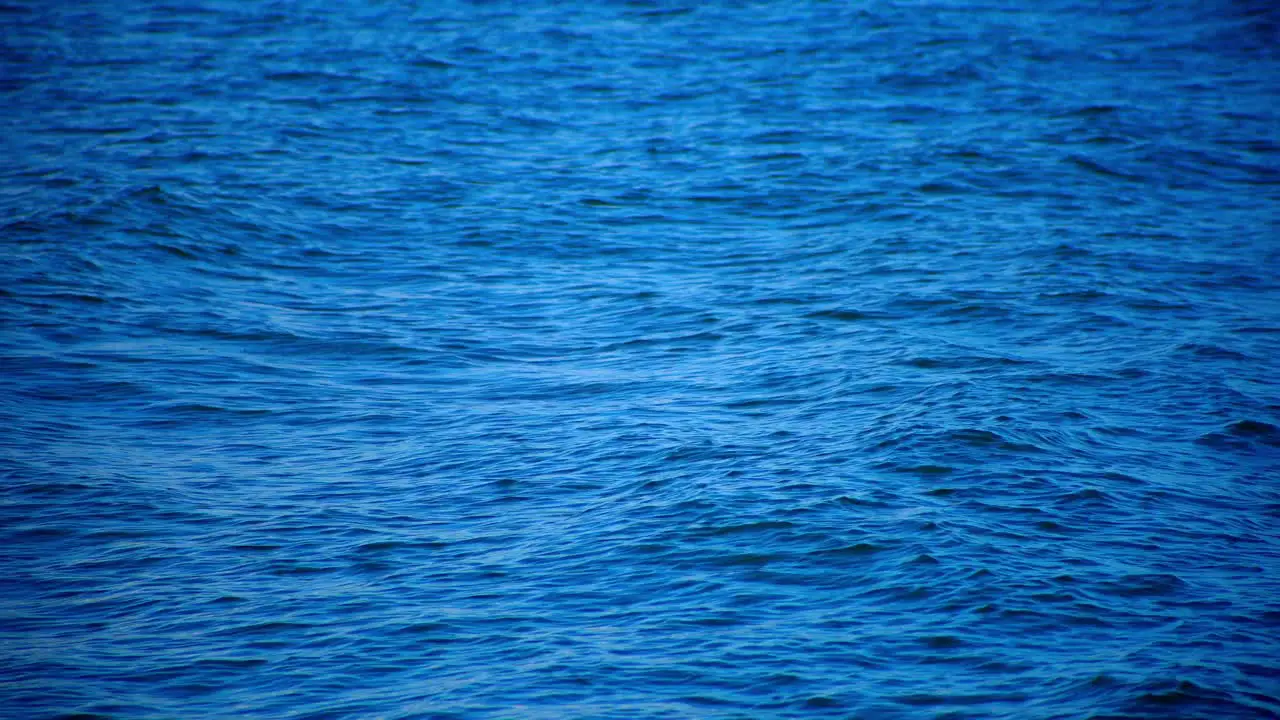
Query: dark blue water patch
(639, 360)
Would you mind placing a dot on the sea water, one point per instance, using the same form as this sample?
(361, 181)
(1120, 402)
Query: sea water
(640, 359)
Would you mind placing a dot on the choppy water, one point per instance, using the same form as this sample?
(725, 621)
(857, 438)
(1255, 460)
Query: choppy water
(641, 360)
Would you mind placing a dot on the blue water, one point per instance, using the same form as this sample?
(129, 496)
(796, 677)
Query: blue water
(640, 360)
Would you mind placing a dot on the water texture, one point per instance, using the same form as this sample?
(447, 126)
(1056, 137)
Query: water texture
(640, 360)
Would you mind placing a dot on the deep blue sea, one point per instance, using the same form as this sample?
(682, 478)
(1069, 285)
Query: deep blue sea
(626, 360)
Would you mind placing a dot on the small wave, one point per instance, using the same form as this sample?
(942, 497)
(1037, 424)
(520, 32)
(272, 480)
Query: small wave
(1210, 351)
(1097, 168)
(1092, 111)
(847, 315)
(1143, 585)
(855, 550)
(1181, 697)
(1243, 435)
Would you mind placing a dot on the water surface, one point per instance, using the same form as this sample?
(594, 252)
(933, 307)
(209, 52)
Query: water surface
(640, 360)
